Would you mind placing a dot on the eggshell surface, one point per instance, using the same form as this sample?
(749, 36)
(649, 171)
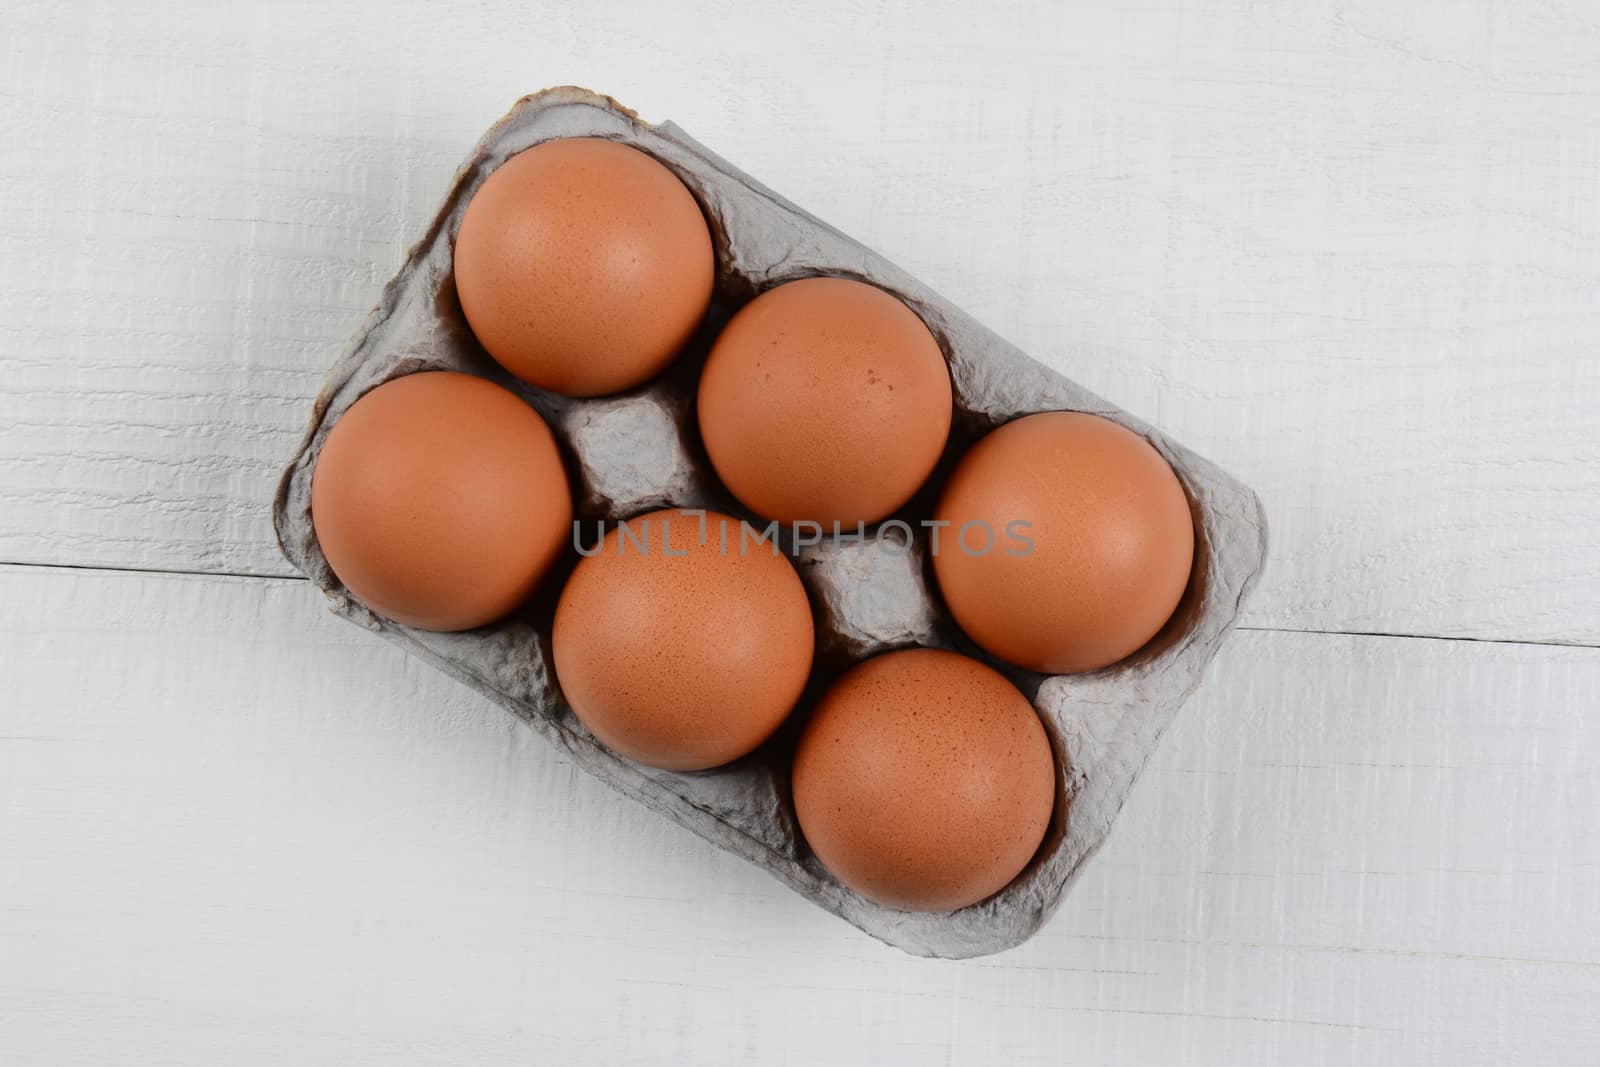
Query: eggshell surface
(681, 643)
(583, 266)
(924, 780)
(825, 400)
(1109, 542)
(440, 500)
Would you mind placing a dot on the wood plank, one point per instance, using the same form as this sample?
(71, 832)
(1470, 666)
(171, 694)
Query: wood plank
(1353, 254)
(239, 831)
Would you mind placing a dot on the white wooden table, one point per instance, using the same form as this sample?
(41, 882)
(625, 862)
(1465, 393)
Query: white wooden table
(1350, 250)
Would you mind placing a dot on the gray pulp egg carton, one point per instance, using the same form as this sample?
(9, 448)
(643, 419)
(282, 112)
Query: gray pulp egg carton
(639, 451)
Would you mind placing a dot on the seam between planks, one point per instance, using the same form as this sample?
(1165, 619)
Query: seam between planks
(92, 568)
(1422, 637)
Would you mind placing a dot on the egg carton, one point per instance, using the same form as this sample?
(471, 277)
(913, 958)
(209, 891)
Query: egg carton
(640, 450)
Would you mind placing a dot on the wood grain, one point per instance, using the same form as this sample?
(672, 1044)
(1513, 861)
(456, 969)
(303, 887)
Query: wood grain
(288, 843)
(1352, 251)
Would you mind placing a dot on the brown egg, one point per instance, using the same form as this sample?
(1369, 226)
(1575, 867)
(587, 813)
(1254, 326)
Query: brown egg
(825, 400)
(924, 780)
(583, 266)
(1089, 542)
(682, 645)
(440, 501)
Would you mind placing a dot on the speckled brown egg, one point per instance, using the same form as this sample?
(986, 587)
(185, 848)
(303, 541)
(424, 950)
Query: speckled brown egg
(924, 780)
(1089, 542)
(682, 642)
(825, 400)
(583, 266)
(440, 501)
